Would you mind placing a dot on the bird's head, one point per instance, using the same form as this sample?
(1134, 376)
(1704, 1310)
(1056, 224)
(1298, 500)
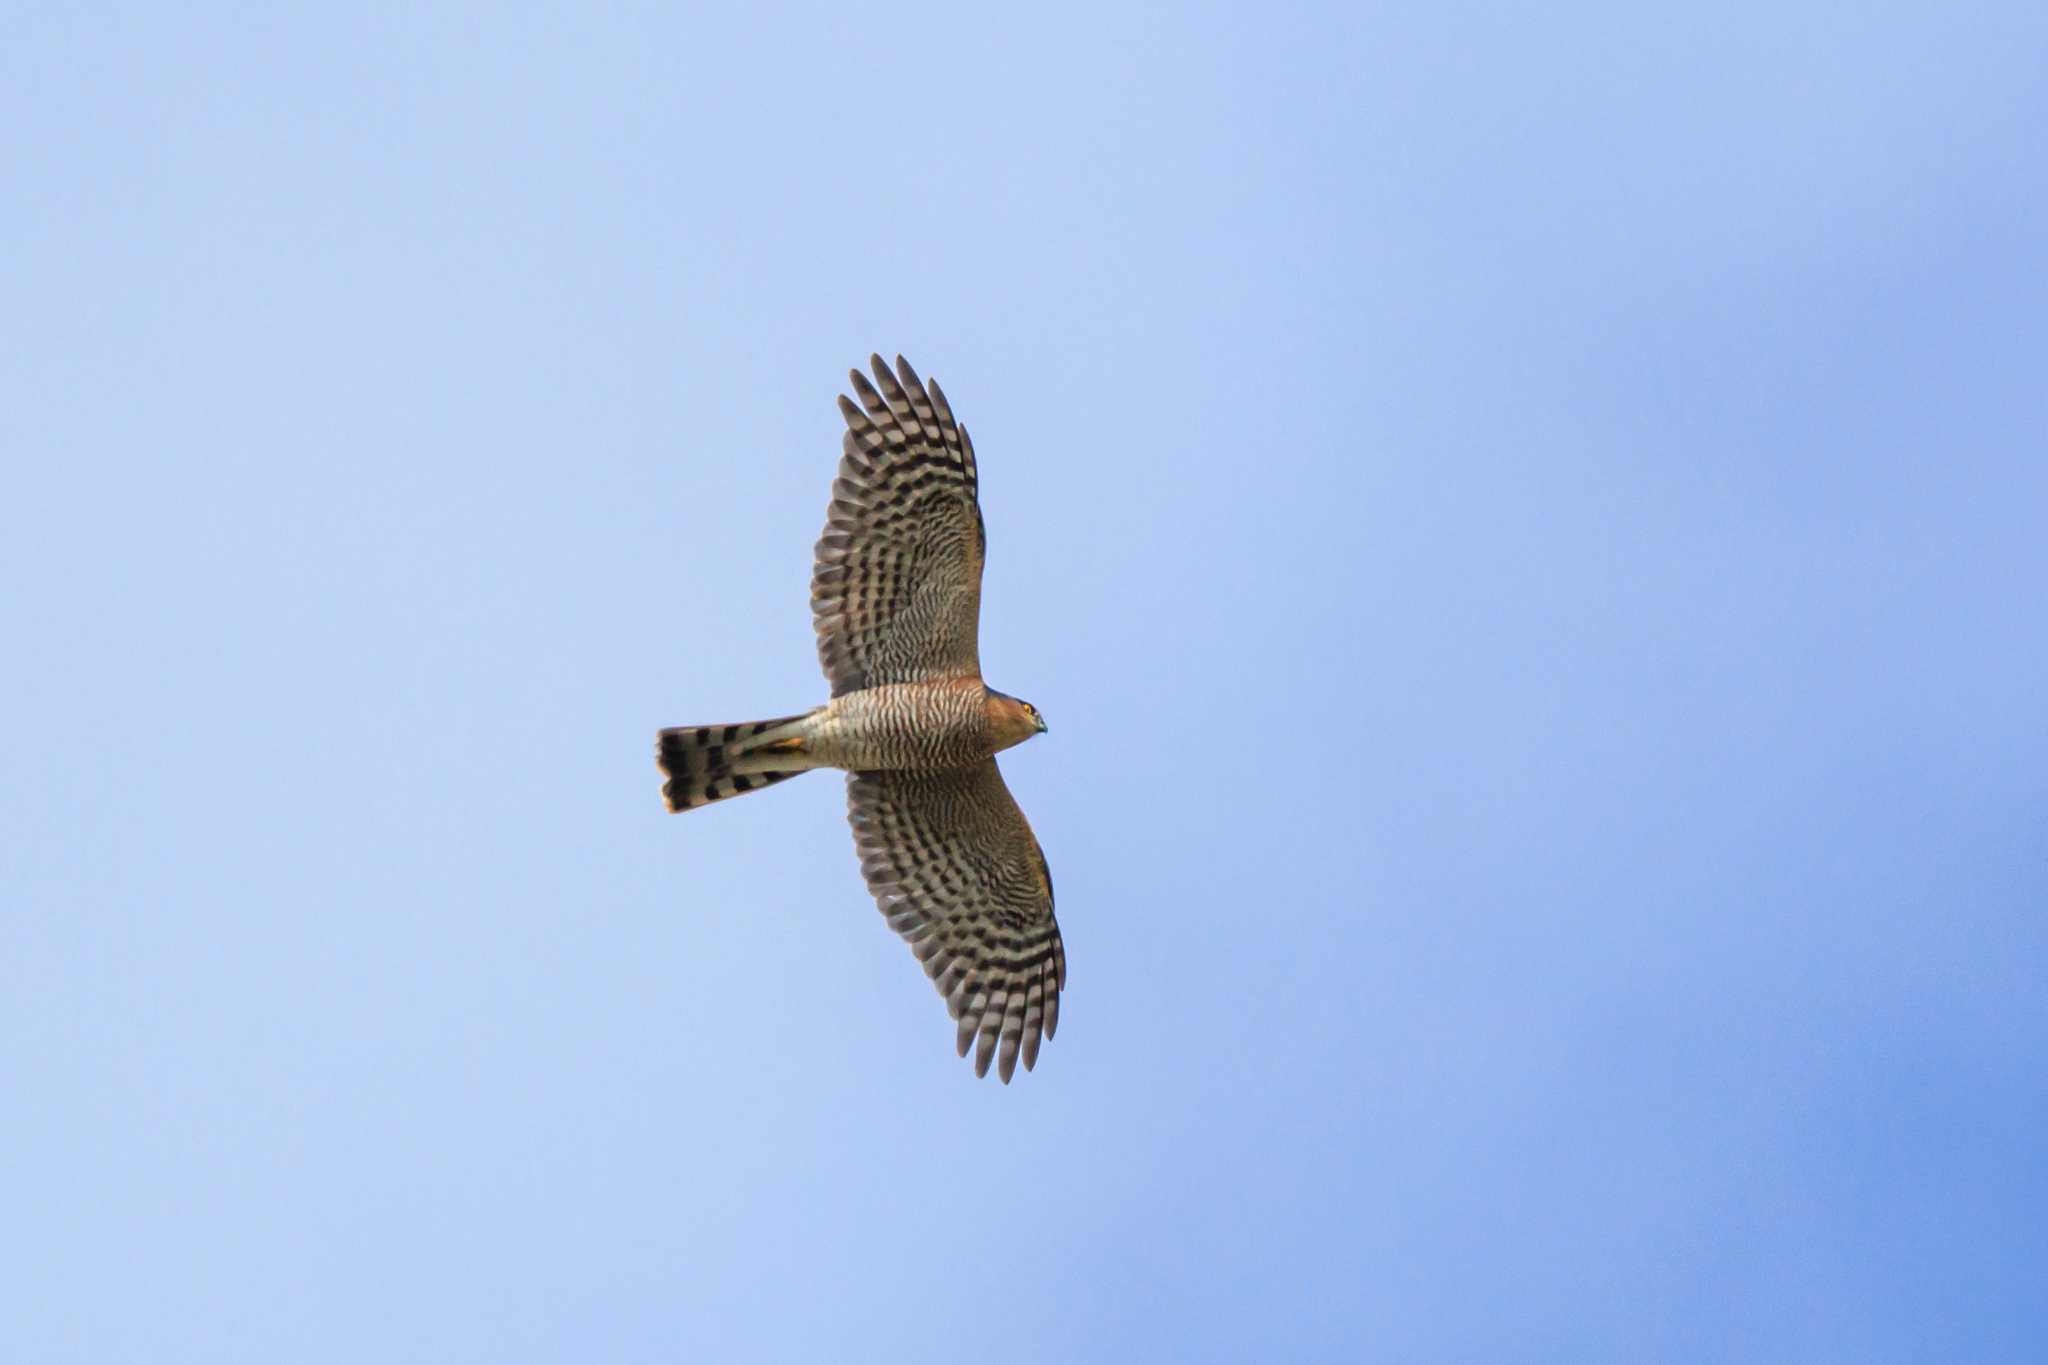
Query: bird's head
(1011, 720)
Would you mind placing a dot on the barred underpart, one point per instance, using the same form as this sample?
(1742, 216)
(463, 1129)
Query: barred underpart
(905, 725)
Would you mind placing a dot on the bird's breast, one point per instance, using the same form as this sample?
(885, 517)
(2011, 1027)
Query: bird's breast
(904, 725)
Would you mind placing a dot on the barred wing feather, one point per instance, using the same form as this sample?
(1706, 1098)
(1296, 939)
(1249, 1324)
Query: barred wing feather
(896, 582)
(954, 867)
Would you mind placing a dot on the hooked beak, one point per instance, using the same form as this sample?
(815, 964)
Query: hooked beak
(1042, 726)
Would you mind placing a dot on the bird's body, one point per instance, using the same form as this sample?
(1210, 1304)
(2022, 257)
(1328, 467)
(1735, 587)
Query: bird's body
(913, 725)
(896, 599)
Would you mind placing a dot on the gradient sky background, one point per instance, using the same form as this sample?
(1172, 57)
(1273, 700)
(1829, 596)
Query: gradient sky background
(1530, 528)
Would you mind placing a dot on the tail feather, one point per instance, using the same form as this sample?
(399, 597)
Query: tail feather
(706, 763)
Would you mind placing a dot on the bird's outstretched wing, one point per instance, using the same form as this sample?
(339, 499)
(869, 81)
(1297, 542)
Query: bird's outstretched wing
(956, 870)
(896, 584)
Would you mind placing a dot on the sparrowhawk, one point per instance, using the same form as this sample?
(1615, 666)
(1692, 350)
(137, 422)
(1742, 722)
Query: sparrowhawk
(896, 599)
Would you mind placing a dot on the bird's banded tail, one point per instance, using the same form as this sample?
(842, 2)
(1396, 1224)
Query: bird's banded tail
(706, 763)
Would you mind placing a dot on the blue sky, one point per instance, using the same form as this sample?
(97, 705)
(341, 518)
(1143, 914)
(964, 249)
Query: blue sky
(1529, 527)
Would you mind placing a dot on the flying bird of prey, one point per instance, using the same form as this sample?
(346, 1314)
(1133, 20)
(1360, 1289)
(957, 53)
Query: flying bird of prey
(896, 599)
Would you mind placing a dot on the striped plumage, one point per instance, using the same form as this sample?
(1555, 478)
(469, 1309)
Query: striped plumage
(957, 872)
(896, 583)
(707, 763)
(896, 599)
